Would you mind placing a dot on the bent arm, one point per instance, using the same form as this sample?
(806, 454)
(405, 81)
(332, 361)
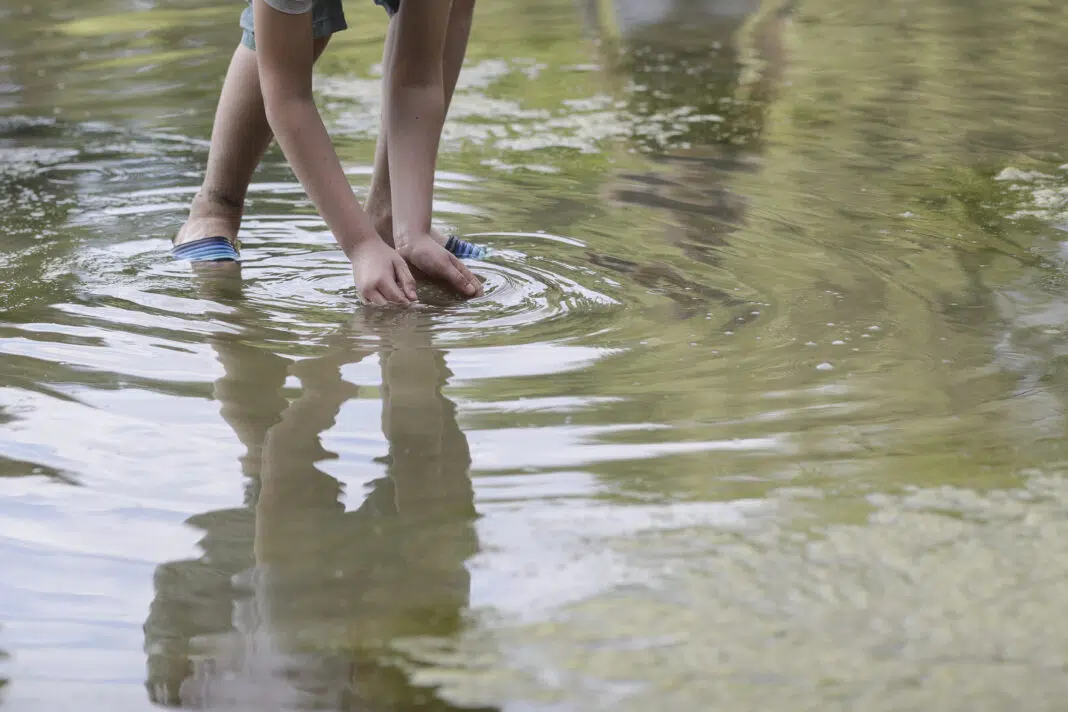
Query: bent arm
(285, 55)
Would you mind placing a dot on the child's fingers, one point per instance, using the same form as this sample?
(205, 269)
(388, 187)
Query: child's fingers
(464, 279)
(454, 272)
(404, 276)
(392, 292)
(372, 296)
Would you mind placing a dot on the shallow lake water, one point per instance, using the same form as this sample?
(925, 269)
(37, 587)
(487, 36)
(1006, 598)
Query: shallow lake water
(763, 408)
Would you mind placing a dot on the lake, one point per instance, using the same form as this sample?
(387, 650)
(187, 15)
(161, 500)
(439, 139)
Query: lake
(763, 408)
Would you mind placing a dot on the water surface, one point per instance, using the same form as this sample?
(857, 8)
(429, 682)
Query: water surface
(763, 408)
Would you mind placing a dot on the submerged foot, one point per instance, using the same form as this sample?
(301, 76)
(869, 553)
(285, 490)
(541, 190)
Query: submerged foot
(465, 250)
(213, 257)
(207, 236)
(206, 249)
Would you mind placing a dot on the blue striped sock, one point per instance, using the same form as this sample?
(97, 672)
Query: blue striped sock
(464, 249)
(207, 249)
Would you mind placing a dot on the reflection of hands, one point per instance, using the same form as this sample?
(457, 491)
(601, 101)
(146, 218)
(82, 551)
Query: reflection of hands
(425, 254)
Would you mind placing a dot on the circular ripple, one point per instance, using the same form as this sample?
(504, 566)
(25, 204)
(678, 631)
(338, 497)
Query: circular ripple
(531, 295)
(296, 279)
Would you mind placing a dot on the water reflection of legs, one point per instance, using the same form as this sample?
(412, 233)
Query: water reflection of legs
(329, 588)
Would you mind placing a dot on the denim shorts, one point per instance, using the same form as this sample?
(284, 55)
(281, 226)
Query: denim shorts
(327, 18)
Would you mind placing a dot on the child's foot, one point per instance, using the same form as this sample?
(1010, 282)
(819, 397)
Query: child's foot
(206, 249)
(208, 235)
(463, 249)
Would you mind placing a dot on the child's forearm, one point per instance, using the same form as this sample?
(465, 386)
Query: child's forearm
(416, 114)
(285, 54)
(303, 138)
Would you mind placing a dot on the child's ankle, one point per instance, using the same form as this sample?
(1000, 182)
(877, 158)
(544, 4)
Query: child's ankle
(210, 217)
(209, 203)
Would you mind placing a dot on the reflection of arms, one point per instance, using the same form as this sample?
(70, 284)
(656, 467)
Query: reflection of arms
(427, 486)
(395, 565)
(293, 493)
(430, 459)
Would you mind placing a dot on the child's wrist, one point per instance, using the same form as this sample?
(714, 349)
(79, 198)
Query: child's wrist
(352, 245)
(405, 237)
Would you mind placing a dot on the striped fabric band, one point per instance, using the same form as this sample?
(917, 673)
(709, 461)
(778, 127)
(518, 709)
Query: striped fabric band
(208, 249)
(464, 249)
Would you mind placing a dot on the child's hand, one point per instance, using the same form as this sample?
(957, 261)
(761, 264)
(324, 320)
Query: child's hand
(426, 255)
(381, 274)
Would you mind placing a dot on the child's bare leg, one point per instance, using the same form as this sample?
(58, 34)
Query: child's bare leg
(379, 197)
(239, 139)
